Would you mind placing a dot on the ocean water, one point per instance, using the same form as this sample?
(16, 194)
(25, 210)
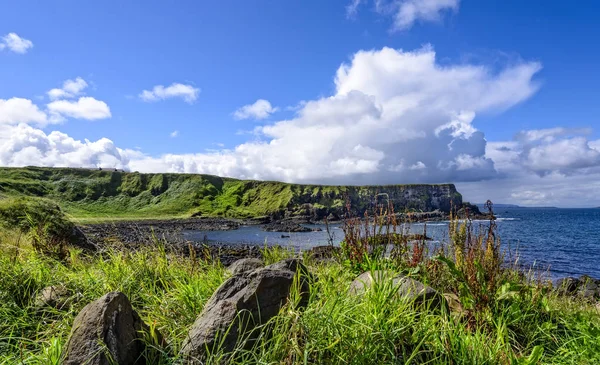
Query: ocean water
(563, 242)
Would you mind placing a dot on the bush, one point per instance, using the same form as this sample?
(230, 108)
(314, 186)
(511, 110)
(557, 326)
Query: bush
(42, 220)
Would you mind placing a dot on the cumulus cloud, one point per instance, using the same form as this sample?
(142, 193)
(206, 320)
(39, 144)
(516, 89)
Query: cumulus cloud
(261, 109)
(70, 89)
(395, 116)
(558, 150)
(84, 108)
(159, 92)
(24, 145)
(14, 43)
(407, 12)
(19, 110)
(174, 134)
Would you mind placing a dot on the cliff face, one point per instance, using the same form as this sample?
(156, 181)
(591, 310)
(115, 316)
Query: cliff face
(321, 201)
(94, 193)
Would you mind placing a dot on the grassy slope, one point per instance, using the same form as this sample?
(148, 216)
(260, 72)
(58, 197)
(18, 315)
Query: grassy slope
(92, 194)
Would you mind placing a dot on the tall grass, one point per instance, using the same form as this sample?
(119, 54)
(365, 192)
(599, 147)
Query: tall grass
(509, 321)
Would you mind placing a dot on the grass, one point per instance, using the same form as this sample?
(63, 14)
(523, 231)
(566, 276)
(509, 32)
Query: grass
(93, 195)
(507, 319)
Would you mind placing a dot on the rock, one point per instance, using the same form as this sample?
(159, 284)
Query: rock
(285, 226)
(454, 304)
(420, 293)
(244, 265)
(238, 306)
(54, 296)
(588, 287)
(296, 266)
(567, 285)
(416, 291)
(324, 252)
(106, 325)
(367, 280)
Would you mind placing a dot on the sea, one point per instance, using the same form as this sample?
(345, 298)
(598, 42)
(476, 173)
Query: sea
(555, 242)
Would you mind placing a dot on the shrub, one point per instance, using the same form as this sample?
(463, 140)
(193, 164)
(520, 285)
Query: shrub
(42, 220)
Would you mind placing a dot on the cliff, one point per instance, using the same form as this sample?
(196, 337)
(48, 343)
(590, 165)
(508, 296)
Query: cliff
(108, 193)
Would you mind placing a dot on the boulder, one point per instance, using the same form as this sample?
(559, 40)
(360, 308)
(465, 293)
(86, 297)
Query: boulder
(106, 331)
(54, 296)
(414, 290)
(584, 287)
(368, 279)
(567, 285)
(588, 288)
(242, 303)
(454, 304)
(244, 265)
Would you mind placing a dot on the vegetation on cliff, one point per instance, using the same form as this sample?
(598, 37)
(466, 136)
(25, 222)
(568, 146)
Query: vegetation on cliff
(86, 193)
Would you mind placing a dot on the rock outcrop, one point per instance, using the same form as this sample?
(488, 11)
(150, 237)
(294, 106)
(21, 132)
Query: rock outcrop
(285, 226)
(106, 331)
(417, 292)
(232, 316)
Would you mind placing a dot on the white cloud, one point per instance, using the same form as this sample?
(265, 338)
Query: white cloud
(18, 110)
(261, 109)
(352, 8)
(70, 89)
(174, 134)
(406, 13)
(24, 145)
(547, 151)
(186, 92)
(84, 108)
(395, 116)
(15, 43)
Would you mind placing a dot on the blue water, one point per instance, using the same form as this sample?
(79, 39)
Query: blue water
(565, 242)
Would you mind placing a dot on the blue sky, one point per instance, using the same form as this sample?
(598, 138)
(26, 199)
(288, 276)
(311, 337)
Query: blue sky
(518, 79)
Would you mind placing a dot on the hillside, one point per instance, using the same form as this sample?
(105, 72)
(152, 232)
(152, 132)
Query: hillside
(87, 193)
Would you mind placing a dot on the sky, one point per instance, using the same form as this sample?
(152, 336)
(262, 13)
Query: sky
(498, 97)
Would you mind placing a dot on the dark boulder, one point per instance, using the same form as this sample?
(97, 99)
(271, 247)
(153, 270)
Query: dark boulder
(232, 316)
(589, 288)
(244, 265)
(567, 285)
(106, 331)
(584, 287)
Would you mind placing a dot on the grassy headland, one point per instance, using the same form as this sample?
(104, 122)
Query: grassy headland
(87, 194)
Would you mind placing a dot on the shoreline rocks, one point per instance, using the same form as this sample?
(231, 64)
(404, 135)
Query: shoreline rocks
(584, 286)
